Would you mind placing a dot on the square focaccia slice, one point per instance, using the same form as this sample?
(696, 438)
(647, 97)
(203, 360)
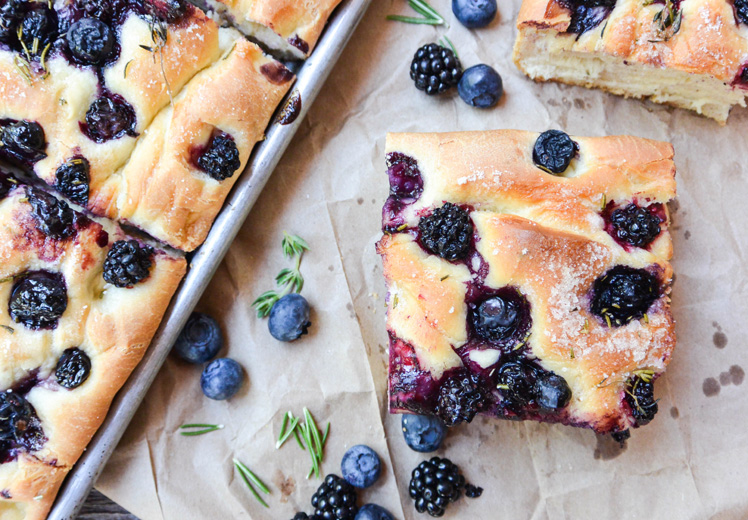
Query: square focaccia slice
(291, 27)
(528, 276)
(691, 54)
(79, 303)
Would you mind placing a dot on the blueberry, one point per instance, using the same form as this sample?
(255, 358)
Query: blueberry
(289, 318)
(497, 318)
(38, 299)
(361, 466)
(73, 368)
(480, 86)
(91, 41)
(109, 117)
(222, 379)
(552, 392)
(38, 28)
(553, 151)
(474, 13)
(373, 512)
(200, 339)
(423, 433)
(24, 140)
(53, 217)
(11, 14)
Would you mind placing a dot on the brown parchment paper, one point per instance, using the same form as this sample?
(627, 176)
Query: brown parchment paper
(691, 462)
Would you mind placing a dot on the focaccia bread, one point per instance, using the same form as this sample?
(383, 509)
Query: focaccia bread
(528, 276)
(79, 304)
(291, 27)
(106, 72)
(690, 54)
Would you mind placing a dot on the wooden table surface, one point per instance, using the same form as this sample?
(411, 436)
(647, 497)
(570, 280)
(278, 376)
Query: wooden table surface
(99, 507)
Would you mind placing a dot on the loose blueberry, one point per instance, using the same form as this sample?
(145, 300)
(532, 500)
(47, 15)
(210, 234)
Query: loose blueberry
(20, 427)
(221, 158)
(128, 263)
(73, 368)
(553, 151)
(289, 318)
(72, 180)
(423, 433)
(38, 299)
(623, 294)
(635, 225)
(361, 466)
(200, 339)
(90, 41)
(221, 379)
(551, 391)
(460, 398)
(435, 69)
(373, 512)
(447, 232)
(53, 216)
(640, 397)
(474, 13)
(24, 141)
(109, 117)
(480, 86)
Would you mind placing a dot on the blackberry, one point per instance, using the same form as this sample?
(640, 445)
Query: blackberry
(640, 397)
(635, 225)
(335, 499)
(73, 368)
(127, 263)
(405, 177)
(20, 427)
(434, 484)
(553, 151)
(587, 14)
(169, 10)
(109, 117)
(435, 69)
(72, 180)
(472, 491)
(11, 14)
(24, 141)
(221, 158)
(53, 217)
(38, 299)
(304, 516)
(91, 41)
(447, 232)
(38, 28)
(5, 184)
(621, 437)
(516, 381)
(460, 398)
(101, 9)
(741, 10)
(623, 294)
(499, 317)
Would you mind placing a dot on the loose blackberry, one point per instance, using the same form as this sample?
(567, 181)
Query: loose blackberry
(53, 217)
(434, 484)
(91, 41)
(72, 180)
(640, 397)
(109, 117)
(516, 382)
(24, 141)
(447, 232)
(38, 28)
(127, 263)
(623, 294)
(472, 491)
(73, 368)
(460, 398)
(38, 299)
(20, 427)
(553, 151)
(335, 499)
(435, 69)
(11, 14)
(221, 158)
(635, 225)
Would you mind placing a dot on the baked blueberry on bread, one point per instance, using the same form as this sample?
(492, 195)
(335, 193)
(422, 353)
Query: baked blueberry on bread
(528, 276)
(79, 303)
(690, 54)
(290, 27)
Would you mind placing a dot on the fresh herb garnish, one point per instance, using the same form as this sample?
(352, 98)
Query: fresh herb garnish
(9, 329)
(288, 280)
(249, 478)
(444, 41)
(667, 22)
(199, 429)
(311, 435)
(429, 14)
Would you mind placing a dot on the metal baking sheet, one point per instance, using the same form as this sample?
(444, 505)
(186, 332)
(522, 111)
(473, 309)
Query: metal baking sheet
(310, 78)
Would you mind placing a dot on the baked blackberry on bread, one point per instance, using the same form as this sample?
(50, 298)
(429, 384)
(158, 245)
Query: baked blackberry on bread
(79, 304)
(690, 54)
(528, 276)
(291, 27)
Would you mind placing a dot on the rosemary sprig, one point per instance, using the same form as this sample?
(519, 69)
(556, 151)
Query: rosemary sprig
(249, 478)
(429, 15)
(288, 279)
(667, 21)
(199, 429)
(448, 43)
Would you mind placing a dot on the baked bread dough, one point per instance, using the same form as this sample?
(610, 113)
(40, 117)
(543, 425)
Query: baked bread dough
(496, 271)
(112, 325)
(689, 54)
(291, 27)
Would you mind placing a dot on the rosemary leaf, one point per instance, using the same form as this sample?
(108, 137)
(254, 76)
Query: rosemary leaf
(199, 429)
(410, 19)
(285, 436)
(423, 8)
(259, 483)
(249, 484)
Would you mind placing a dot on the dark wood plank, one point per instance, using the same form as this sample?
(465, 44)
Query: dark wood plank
(99, 507)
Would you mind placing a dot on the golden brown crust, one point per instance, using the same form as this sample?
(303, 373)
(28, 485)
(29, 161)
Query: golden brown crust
(545, 236)
(112, 325)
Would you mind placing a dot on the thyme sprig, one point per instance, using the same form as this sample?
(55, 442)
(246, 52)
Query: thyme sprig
(429, 15)
(307, 430)
(250, 478)
(190, 430)
(667, 21)
(288, 279)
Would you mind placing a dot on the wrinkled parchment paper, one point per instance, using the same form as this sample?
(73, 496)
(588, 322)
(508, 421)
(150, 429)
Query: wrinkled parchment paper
(691, 462)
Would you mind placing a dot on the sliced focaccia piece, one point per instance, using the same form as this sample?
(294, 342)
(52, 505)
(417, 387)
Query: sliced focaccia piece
(528, 276)
(691, 54)
(79, 303)
(291, 27)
